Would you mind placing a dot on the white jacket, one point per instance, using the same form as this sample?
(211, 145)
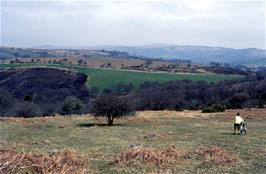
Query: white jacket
(238, 119)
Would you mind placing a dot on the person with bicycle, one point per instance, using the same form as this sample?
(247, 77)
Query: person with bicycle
(238, 121)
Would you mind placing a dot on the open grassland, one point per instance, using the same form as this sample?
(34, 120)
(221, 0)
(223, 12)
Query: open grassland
(104, 78)
(199, 143)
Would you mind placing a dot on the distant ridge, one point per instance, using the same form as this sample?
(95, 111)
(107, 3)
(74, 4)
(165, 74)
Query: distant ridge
(197, 54)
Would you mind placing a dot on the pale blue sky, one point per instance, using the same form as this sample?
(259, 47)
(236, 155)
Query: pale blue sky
(238, 24)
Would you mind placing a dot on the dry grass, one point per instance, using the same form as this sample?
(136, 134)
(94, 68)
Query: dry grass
(167, 113)
(250, 113)
(150, 157)
(187, 130)
(216, 155)
(247, 114)
(42, 120)
(26, 121)
(61, 126)
(65, 162)
(154, 135)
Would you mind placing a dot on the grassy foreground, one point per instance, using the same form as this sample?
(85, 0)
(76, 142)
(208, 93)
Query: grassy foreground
(104, 78)
(157, 130)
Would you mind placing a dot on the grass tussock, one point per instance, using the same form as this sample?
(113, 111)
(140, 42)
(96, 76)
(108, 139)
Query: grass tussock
(64, 162)
(216, 155)
(150, 157)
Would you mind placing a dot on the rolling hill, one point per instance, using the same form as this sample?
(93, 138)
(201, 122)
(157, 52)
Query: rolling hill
(104, 78)
(197, 54)
(10, 53)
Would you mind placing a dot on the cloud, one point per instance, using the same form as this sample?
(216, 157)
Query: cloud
(82, 23)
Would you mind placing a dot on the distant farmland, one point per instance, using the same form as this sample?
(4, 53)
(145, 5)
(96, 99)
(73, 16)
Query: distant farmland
(104, 78)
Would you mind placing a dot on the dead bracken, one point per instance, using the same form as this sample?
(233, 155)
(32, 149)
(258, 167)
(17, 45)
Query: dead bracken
(216, 155)
(64, 162)
(150, 157)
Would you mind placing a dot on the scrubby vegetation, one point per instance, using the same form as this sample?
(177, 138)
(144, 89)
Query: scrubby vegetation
(33, 92)
(72, 105)
(214, 108)
(187, 94)
(42, 91)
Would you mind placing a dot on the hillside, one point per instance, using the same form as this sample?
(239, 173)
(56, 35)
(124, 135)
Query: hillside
(196, 54)
(192, 141)
(40, 91)
(21, 82)
(181, 54)
(9, 53)
(104, 78)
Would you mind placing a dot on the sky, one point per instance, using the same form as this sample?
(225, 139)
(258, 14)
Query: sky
(236, 24)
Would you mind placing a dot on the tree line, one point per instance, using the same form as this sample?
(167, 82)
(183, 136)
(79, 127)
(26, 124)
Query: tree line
(63, 93)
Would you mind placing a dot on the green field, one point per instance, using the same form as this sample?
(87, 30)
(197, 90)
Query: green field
(103, 78)
(186, 130)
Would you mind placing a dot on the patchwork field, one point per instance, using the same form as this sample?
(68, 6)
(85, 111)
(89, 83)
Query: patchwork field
(104, 78)
(150, 142)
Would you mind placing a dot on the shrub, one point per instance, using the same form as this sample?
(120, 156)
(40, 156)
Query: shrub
(238, 99)
(51, 108)
(28, 109)
(111, 107)
(213, 108)
(72, 105)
